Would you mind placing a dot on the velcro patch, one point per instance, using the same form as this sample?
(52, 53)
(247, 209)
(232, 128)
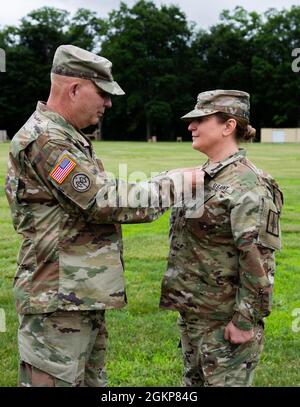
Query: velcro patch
(273, 223)
(81, 182)
(62, 169)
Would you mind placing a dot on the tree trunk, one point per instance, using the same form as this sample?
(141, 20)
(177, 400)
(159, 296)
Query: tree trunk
(148, 129)
(99, 131)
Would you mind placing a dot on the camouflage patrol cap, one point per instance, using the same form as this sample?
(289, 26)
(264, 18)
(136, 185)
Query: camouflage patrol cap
(74, 61)
(234, 102)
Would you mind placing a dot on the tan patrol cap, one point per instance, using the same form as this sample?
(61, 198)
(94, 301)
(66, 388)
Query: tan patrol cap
(234, 102)
(74, 61)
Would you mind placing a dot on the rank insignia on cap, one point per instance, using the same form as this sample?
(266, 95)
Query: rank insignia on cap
(63, 169)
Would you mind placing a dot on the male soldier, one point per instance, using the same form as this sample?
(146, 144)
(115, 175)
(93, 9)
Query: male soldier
(70, 266)
(221, 264)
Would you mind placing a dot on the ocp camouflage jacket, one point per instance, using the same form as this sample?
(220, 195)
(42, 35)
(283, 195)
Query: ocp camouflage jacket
(221, 264)
(71, 254)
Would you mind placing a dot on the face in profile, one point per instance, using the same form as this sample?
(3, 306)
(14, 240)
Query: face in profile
(90, 103)
(206, 132)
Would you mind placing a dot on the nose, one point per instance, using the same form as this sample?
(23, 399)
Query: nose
(191, 126)
(108, 102)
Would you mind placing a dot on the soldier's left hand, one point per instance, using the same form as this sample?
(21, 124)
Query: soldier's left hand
(236, 335)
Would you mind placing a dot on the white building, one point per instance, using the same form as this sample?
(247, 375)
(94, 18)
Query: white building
(278, 135)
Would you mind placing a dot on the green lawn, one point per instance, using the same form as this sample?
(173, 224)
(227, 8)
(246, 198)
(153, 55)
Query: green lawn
(143, 339)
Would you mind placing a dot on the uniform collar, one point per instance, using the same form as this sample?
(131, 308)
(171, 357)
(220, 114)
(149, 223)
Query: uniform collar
(213, 168)
(73, 133)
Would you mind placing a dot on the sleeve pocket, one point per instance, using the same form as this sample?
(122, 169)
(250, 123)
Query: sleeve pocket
(269, 233)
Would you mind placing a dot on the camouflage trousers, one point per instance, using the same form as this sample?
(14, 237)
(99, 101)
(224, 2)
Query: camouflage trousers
(62, 349)
(210, 360)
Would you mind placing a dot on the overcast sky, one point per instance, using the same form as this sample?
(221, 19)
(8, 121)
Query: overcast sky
(204, 13)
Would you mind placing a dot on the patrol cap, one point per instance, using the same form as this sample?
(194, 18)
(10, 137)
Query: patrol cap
(234, 102)
(74, 61)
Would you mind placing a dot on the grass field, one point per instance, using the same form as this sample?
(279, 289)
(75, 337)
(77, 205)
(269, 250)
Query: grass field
(143, 339)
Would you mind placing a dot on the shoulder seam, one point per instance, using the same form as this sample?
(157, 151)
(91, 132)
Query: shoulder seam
(251, 168)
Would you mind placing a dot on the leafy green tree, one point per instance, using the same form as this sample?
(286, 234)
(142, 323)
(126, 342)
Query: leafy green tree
(276, 87)
(84, 30)
(150, 52)
(222, 55)
(30, 48)
(161, 61)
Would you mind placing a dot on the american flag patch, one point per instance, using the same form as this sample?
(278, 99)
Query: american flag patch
(63, 169)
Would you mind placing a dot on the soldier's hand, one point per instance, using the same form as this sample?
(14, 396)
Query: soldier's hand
(236, 335)
(194, 175)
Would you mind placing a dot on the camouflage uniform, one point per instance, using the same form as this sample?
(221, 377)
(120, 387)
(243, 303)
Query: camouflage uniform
(221, 268)
(62, 348)
(70, 266)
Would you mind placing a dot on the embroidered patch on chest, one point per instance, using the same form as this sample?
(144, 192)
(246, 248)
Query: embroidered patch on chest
(222, 188)
(273, 223)
(62, 169)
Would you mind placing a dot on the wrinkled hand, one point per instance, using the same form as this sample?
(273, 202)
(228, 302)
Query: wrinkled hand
(236, 335)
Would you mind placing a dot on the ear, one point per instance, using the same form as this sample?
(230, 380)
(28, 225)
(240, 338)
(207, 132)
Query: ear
(73, 90)
(229, 128)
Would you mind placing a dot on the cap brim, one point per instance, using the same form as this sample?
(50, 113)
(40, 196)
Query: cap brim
(113, 88)
(198, 113)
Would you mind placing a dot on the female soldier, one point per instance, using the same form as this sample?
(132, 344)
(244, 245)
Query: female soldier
(221, 265)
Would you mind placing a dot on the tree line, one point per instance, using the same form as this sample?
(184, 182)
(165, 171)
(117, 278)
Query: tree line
(162, 61)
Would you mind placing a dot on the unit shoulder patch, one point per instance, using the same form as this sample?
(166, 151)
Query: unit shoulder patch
(81, 182)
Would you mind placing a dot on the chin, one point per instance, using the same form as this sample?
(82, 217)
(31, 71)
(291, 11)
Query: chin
(195, 146)
(95, 121)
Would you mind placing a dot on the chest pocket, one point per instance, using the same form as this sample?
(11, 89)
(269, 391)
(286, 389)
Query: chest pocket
(191, 210)
(212, 220)
(196, 210)
(188, 221)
